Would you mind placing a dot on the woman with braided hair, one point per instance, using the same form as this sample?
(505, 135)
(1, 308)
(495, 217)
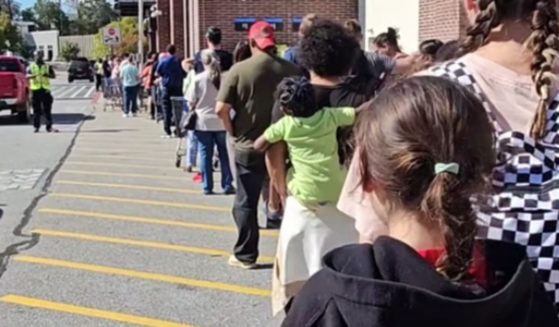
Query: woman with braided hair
(311, 224)
(509, 61)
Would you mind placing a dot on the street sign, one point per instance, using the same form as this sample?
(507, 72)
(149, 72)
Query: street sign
(111, 35)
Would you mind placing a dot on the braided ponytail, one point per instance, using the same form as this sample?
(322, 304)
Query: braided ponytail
(478, 33)
(544, 43)
(447, 201)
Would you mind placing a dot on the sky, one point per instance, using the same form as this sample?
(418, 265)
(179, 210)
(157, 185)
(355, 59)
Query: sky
(26, 3)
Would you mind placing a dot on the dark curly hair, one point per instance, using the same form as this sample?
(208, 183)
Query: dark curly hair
(296, 97)
(328, 49)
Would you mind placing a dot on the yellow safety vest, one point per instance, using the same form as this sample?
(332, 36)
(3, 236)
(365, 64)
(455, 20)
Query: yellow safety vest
(41, 79)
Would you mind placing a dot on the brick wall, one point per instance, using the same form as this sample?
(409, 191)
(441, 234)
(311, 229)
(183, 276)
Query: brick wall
(441, 19)
(178, 36)
(163, 25)
(221, 13)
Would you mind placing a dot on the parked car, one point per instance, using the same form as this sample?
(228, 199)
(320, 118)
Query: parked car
(14, 87)
(80, 69)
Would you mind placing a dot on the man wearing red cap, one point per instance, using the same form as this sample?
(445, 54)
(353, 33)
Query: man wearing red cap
(249, 91)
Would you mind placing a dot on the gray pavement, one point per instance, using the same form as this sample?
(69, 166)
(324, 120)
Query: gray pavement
(112, 234)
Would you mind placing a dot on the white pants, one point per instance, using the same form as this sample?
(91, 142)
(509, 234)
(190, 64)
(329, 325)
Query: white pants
(306, 235)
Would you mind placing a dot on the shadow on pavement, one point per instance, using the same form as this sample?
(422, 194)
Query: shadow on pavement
(70, 119)
(58, 119)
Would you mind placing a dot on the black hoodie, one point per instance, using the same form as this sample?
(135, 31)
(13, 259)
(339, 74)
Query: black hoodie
(389, 284)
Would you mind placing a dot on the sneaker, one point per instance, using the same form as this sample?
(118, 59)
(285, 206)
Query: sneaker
(209, 193)
(124, 115)
(234, 262)
(36, 130)
(230, 191)
(165, 136)
(189, 169)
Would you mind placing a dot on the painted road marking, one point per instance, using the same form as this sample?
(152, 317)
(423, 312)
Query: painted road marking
(102, 173)
(93, 156)
(78, 92)
(144, 244)
(88, 93)
(128, 186)
(149, 220)
(126, 151)
(87, 312)
(140, 201)
(105, 164)
(144, 275)
(66, 92)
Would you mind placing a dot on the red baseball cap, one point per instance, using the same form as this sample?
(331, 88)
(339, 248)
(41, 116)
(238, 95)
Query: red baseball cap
(263, 35)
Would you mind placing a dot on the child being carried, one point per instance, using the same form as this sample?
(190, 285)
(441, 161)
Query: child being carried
(312, 226)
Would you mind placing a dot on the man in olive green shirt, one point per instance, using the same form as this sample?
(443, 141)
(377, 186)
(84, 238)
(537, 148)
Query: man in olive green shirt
(249, 91)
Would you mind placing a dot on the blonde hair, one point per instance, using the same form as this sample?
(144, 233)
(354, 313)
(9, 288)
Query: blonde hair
(210, 60)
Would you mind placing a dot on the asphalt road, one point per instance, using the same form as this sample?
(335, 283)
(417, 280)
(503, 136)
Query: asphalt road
(107, 232)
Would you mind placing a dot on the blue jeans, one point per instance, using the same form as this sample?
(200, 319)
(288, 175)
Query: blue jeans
(131, 99)
(206, 143)
(166, 94)
(192, 146)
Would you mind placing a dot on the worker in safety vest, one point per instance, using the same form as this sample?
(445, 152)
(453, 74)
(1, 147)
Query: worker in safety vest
(39, 74)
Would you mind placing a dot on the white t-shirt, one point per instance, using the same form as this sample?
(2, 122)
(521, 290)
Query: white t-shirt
(204, 94)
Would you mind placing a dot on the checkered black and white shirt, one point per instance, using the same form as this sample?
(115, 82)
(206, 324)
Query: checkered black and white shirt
(526, 208)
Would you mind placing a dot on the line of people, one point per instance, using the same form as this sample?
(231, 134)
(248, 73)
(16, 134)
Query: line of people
(452, 176)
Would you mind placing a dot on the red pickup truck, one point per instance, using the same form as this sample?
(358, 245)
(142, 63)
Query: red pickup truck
(14, 87)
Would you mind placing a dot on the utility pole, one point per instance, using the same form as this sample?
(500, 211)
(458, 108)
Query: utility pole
(140, 32)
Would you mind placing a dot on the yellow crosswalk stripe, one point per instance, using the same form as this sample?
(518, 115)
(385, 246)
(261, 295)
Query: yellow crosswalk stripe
(108, 164)
(139, 201)
(144, 275)
(103, 173)
(148, 220)
(129, 186)
(87, 312)
(139, 243)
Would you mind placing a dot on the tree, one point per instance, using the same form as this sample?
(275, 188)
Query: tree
(94, 14)
(10, 7)
(129, 34)
(49, 15)
(69, 51)
(28, 15)
(10, 40)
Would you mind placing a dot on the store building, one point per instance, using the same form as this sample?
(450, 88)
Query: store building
(191, 18)
(184, 22)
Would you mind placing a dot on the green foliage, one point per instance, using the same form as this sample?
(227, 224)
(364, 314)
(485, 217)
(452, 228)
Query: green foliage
(69, 51)
(28, 15)
(129, 34)
(10, 7)
(10, 40)
(94, 14)
(48, 15)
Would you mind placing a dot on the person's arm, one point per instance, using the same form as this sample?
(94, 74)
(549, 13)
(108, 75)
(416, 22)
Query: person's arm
(223, 111)
(261, 144)
(226, 97)
(192, 95)
(277, 168)
(343, 116)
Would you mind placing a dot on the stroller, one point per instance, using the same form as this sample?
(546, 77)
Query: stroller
(112, 94)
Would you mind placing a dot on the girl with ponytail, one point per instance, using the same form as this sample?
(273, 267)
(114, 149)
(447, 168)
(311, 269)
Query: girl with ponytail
(209, 130)
(509, 61)
(426, 148)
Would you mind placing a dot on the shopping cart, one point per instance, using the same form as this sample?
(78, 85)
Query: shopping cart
(180, 110)
(112, 94)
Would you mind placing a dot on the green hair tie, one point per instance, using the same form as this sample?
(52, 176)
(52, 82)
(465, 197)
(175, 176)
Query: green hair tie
(451, 168)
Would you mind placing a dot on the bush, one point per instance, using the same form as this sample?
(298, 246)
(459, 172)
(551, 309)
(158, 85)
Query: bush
(69, 51)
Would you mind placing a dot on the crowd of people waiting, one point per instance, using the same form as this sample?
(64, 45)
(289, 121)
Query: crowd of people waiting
(412, 189)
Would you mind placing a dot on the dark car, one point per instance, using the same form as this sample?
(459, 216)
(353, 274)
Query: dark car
(80, 69)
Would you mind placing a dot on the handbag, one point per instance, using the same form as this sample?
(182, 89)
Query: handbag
(189, 122)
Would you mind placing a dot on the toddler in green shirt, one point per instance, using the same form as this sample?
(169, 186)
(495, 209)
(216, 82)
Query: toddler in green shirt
(312, 225)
